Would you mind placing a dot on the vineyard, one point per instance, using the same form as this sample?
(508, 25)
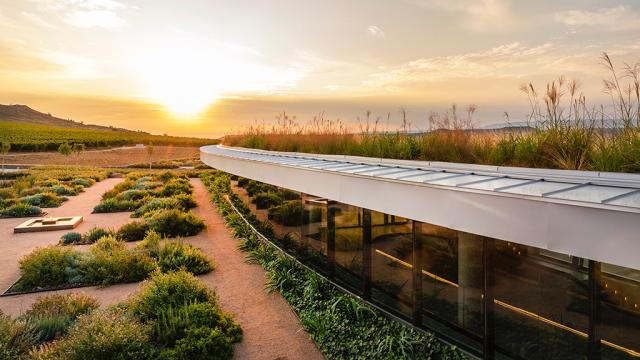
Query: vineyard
(30, 137)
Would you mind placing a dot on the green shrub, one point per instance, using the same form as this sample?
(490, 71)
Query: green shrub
(111, 263)
(177, 186)
(71, 238)
(171, 290)
(53, 314)
(172, 324)
(45, 200)
(173, 222)
(21, 210)
(157, 204)
(102, 335)
(95, 234)
(201, 343)
(7, 193)
(265, 200)
(64, 190)
(114, 205)
(17, 337)
(290, 213)
(186, 201)
(132, 195)
(133, 231)
(242, 182)
(49, 266)
(176, 255)
(83, 182)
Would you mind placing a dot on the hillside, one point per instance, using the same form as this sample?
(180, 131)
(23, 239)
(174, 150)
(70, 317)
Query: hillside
(30, 130)
(26, 115)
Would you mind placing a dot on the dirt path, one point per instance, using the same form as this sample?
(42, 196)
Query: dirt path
(13, 246)
(271, 329)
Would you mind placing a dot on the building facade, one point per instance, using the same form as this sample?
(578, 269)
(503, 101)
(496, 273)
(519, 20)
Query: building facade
(503, 262)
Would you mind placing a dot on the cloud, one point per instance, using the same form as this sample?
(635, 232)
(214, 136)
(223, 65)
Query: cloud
(87, 13)
(618, 18)
(477, 15)
(515, 61)
(376, 32)
(36, 19)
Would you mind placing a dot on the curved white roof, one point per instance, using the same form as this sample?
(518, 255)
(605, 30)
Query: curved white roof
(558, 210)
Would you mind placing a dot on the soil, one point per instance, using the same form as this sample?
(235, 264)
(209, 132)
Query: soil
(106, 157)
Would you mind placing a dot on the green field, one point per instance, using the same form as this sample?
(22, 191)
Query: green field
(28, 137)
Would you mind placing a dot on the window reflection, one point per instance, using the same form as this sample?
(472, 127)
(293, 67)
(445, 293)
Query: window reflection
(541, 304)
(391, 260)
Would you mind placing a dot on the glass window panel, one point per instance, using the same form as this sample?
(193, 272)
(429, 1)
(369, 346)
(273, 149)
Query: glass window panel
(391, 262)
(620, 312)
(541, 303)
(348, 245)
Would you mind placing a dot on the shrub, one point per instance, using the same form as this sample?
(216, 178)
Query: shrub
(17, 337)
(71, 238)
(176, 255)
(48, 199)
(242, 182)
(132, 195)
(201, 343)
(111, 262)
(49, 266)
(133, 231)
(95, 234)
(290, 213)
(172, 223)
(54, 314)
(157, 204)
(176, 186)
(114, 205)
(83, 181)
(7, 193)
(265, 200)
(103, 335)
(21, 209)
(186, 201)
(64, 190)
(173, 323)
(166, 291)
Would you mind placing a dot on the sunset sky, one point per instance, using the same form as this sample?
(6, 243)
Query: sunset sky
(205, 68)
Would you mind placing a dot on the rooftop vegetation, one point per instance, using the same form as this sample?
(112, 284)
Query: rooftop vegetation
(564, 131)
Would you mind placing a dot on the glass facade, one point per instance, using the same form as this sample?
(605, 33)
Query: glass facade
(493, 298)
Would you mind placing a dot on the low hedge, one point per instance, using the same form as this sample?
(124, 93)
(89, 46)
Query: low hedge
(173, 222)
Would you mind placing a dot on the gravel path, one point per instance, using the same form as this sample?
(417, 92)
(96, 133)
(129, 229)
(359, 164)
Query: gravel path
(271, 328)
(14, 246)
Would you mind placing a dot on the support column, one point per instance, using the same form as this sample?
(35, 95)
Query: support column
(366, 254)
(417, 275)
(488, 347)
(331, 237)
(595, 275)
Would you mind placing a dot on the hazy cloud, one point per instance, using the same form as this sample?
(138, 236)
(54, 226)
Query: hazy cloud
(477, 15)
(36, 19)
(514, 60)
(375, 31)
(612, 19)
(87, 13)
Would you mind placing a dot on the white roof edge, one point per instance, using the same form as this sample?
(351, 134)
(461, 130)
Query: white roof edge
(593, 231)
(572, 176)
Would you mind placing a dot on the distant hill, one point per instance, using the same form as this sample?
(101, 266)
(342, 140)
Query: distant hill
(26, 115)
(30, 130)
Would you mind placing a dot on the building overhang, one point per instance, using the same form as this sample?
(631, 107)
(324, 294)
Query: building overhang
(586, 214)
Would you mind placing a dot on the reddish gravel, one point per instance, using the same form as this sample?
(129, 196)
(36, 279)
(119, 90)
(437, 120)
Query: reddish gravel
(271, 328)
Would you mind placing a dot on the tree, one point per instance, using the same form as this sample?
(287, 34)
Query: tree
(78, 148)
(150, 149)
(4, 150)
(65, 149)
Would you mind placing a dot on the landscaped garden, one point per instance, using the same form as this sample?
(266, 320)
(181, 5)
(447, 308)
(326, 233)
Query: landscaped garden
(26, 193)
(173, 316)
